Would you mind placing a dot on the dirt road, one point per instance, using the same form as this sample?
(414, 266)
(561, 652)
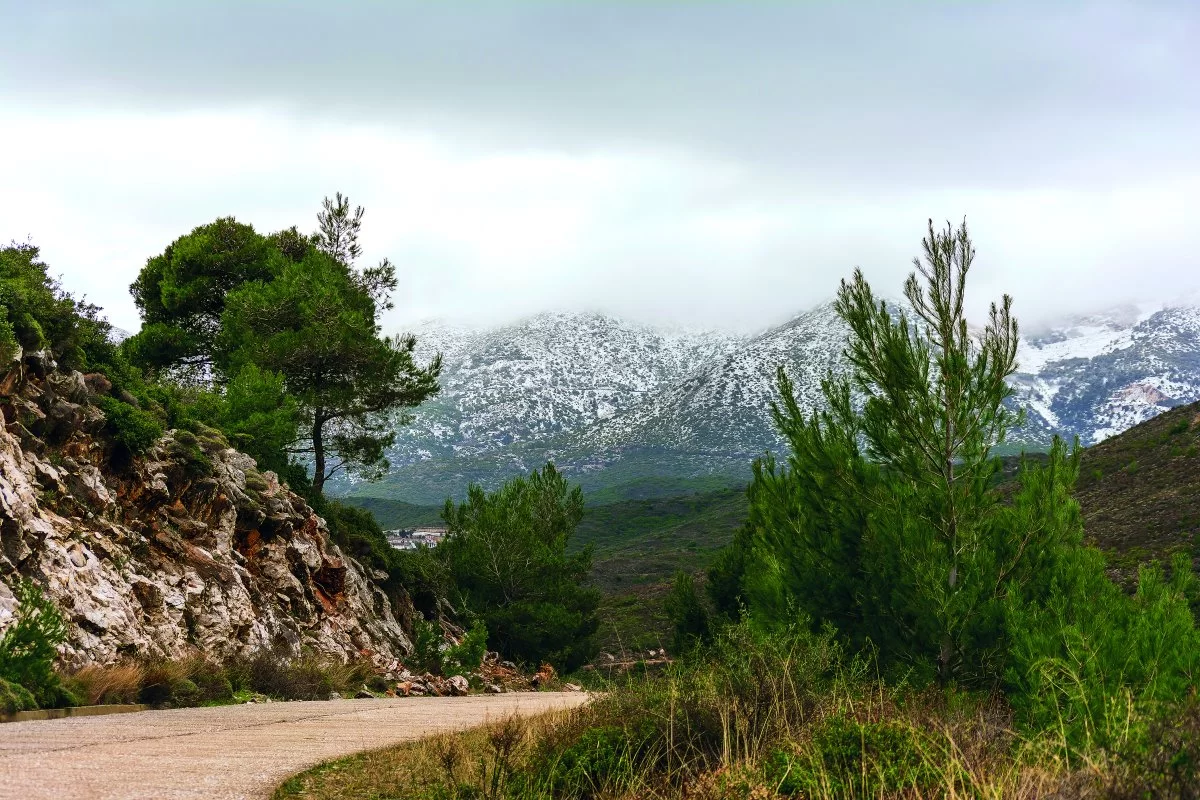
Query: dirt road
(227, 752)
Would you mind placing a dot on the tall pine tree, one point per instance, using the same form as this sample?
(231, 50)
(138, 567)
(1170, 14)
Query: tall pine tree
(887, 519)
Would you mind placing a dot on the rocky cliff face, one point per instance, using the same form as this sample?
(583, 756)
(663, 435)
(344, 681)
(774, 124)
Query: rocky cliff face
(186, 547)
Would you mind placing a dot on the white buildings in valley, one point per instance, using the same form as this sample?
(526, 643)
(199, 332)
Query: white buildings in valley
(412, 538)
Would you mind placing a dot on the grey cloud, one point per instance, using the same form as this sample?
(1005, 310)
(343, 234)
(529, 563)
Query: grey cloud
(867, 94)
(1065, 131)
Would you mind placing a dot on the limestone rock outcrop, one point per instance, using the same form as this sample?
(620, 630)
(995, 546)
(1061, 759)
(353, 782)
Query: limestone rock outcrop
(188, 547)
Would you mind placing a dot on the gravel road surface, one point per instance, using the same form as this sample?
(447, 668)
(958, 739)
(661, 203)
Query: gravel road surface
(226, 752)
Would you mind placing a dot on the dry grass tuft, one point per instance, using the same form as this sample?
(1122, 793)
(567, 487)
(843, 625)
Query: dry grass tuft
(119, 683)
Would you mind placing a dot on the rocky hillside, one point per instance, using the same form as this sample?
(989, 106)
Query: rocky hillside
(188, 546)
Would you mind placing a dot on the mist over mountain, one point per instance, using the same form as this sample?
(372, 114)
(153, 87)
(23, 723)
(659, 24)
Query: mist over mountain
(613, 402)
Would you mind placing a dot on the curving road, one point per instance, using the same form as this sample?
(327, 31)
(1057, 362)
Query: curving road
(226, 752)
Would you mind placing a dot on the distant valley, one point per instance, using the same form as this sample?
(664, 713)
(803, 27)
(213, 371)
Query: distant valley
(631, 410)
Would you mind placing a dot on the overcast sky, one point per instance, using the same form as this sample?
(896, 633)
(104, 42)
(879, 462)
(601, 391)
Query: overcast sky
(702, 163)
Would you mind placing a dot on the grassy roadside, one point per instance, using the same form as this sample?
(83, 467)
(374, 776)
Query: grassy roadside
(424, 768)
(764, 716)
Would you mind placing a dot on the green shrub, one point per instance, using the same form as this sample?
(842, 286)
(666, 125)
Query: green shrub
(1085, 669)
(307, 677)
(211, 681)
(466, 656)
(184, 693)
(847, 758)
(604, 761)
(131, 428)
(690, 617)
(28, 647)
(184, 683)
(185, 448)
(432, 654)
(506, 552)
(427, 643)
(14, 697)
(36, 313)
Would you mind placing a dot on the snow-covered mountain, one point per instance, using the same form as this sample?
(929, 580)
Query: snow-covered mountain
(546, 375)
(613, 401)
(1096, 376)
(723, 407)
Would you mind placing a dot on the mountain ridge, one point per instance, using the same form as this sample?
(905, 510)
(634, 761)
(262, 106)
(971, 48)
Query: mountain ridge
(612, 401)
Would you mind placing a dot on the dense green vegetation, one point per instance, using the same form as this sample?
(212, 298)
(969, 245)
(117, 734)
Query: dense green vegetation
(36, 313)
(506, 554)
(888, 525)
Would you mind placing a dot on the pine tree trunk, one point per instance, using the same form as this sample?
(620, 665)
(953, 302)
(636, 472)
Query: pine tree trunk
(318, 453)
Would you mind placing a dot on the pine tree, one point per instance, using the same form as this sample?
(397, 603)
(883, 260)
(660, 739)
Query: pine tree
(315, 326)
(506, 552)
(886, 520)
(286, 320)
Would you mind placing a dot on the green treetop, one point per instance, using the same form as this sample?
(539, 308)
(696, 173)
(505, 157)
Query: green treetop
(290, 323)
(181, 292)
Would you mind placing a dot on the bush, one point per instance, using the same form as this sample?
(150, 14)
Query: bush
(28, 647)
(14, 697)
(1086, 667)
(185, 447)
(506, 552)
(690, 617)
(432, 654)
(132, 429)
(184, 683)
(307, 677)
(36, 314)
(466, 656)
(848, 758)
